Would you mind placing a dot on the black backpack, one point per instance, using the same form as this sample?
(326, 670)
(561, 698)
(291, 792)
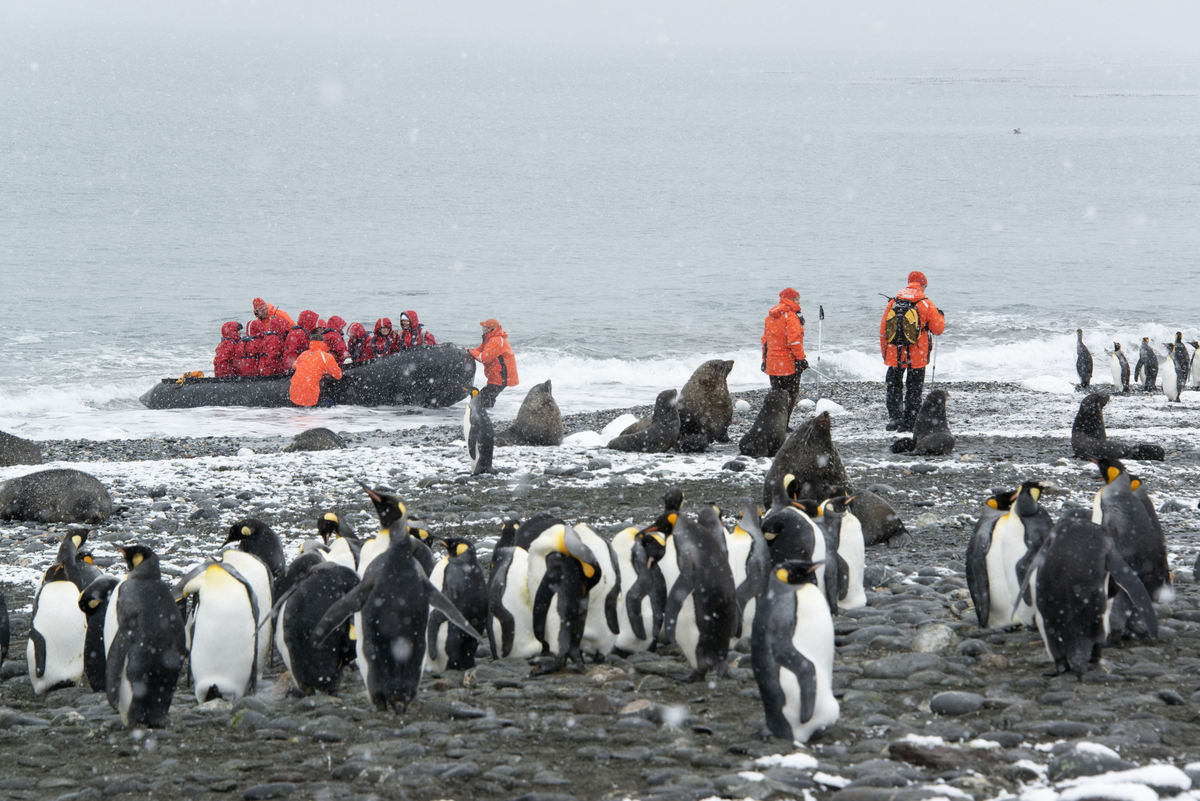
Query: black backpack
(902, 326)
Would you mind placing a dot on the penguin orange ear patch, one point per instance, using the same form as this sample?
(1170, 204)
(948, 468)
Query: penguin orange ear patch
(782, 575)
(331, 517)
(245, 531)
(92, 604)
(462, 548)
(1113, 473)
(588, 570)
(993, 503)
(137, 559)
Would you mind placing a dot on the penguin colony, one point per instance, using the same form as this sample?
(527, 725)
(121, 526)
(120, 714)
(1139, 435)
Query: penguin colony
(1152, 371)
(559, 592)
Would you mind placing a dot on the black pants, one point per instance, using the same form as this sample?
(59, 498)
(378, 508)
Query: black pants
(789, 384)
(488, 395)
(903, 402)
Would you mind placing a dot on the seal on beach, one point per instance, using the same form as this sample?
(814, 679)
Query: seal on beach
(479, 434)
(1083, 360)
(460, 578)
(223, 628)
(1070, 578)
(769, 428)
(315, 439)
(791, 651)
(1120, 369)
(314, 667)
(655, 434)
(1146, 368)
(809, 455)
(705, 407)
(93, 602)
(15, 450)
(931, 433)
(61, 495)
(147, 649)
(254, 536)
(539, 421)
(1089, 440)
(701, 614)
(879, 519)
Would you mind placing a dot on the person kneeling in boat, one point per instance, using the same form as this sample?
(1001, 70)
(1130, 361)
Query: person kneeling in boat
(359, 344)
(311, 366)
(386, 339)
(235, 354)
(499, 364)
(412, 333)
(297, 339)
(334, 339)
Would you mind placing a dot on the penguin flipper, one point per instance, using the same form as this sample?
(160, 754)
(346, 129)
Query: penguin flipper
(439, 601)
(39, 652)
(633, 608)
(341, 610)
(1023, 594)
(977, 579)
(806, 676)
(1134, 589)
(610, 609)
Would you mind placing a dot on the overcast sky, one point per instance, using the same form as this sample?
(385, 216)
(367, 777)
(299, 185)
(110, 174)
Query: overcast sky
(1026, 25)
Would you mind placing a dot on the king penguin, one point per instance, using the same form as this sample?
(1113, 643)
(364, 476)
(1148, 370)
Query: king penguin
(750, 563)
(1120, 369)
(256, 537)
(845, 531)
(479, 433)
(147, 649)
(1172, 383)
(978, 546)
(1194, 365)
(460, 578)
(314, 667)
(224, 631)
(643, 594)
(561, 573)
(94, 604)
(1146, 369)
(510, 607)
(1183, 365)
(338, 535)
(1015, 537)
(791, 651)
(602, 626)
(57, 627)
(1083, 360)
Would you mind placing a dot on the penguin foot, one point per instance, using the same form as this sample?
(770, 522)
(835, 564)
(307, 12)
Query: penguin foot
(552, 666)
(693, 677)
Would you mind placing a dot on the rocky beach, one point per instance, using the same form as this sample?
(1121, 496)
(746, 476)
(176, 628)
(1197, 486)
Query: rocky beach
(931, 706)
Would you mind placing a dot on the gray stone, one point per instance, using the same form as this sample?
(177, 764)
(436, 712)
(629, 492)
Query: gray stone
(315, 439)
(956, 703)
(901, 666)
(1076, 763)
(61, 495)
(16, 450)
(933, 638)
(269, 790)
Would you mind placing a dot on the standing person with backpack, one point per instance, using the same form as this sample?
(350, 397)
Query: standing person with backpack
(905, 340)
(783, 346)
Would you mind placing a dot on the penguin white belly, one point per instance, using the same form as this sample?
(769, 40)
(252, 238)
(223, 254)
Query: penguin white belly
(110, 617)
(813, 639)
(553, 626)
(1006, 548)
(669, 565)
(1115, 365)
(738, 548)
(371, 549)
(852, 548)
(1194, 370)
(1170, 381)
(1038, 620)
(223, 648)
(819, 553)
(435, 649)
(255, 571)
(360, 656)
(340, 554)
(598, 638)
(687, 632)
(63, 628)
(517, 600)
(281, 643)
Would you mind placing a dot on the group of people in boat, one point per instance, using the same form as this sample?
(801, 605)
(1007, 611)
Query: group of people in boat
(271, 343)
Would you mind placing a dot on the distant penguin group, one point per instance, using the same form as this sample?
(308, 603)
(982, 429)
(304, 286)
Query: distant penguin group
(1173, 372)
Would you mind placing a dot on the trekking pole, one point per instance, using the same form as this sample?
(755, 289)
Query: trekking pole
(820, 319)
(933, 360)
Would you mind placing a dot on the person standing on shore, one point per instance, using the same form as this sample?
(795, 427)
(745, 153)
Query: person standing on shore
(311, 366)
(783, 346)
(499, 364)
(906, 338)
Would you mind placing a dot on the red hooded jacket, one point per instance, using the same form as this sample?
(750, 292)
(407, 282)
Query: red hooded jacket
(783, 337)
(267, 338)
(359, 344)
(416, 335)
(383, 345)
(333, 338)
(932, 322)
(297, 339)
(499, 364)
(235, 354)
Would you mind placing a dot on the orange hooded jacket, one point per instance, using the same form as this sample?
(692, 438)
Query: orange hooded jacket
(499, 364)
(932, 322)
(783, 338)
(312, 365)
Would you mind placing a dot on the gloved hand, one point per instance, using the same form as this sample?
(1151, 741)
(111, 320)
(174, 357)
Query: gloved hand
(803, 364)
(801, 319)
(763, 367)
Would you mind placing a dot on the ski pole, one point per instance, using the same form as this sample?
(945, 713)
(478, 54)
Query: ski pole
(933, 361)
(820, 319)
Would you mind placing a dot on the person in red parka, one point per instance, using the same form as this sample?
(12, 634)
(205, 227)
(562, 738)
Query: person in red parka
(234, 356)
(297, 339)
(265, 311)
(499, 364)
(359, 344)
(311, 366)
(783, 346)
(333, 338)
(386, 339)
(266, 343)
(412, 333)
(905, 339)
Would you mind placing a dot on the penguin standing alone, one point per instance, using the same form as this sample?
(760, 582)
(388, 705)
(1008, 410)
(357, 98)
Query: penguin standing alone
(1083, 360)
(224, 631)
(791, 650)
(147, 649)
(1120, 369)
(479, 433)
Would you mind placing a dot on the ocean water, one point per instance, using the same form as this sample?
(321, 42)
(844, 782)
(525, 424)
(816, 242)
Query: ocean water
(626, 213)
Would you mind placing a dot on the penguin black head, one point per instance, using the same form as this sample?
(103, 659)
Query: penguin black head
(140, 559)
(808, 506)
(1178, 337)
(1116, 346)
(654, 543)
(798, 571)
(455, 546)
(389, 507)
(96, 594)
(1026, 497)
(78, 536)
(246, 529)
(1001, 499)
(328, 525)
(421, 533)
(1110, 469)
(837, 505)
(508, 533)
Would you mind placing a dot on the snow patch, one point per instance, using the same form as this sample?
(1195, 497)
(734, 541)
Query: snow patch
(796, 761)
(1048, 383)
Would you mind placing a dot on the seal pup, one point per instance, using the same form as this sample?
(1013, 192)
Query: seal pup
(931, 433)
(1171, 380)
(1083, 360)
(1120, 369)
(791, 651)
(808, 455)
(1146, 369)
(769, 428)
(539, 421)
(657, 434)
(705, 407)
(1089, 440)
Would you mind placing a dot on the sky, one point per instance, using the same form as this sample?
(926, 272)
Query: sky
(874, 25)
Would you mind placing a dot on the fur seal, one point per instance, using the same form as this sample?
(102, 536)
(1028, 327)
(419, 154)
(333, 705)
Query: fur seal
(315, 439)
(931, 434)
(809, 455)
(769, 429)
(705, 407)
(539, 421)
(15, 450)
(53, 496)
(657, 434)
(1090, 441)
(879, 520)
